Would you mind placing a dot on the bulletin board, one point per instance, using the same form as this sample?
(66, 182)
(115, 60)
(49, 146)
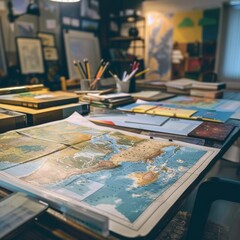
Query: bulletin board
(3, 61)
(78, 46)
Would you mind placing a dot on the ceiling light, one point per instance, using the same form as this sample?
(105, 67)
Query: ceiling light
(66, 1)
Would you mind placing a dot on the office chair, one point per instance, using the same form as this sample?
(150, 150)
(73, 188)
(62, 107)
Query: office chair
(68, 84)
(214, 188)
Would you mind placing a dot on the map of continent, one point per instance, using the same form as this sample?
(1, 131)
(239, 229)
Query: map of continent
(124, 176)
(129, 172)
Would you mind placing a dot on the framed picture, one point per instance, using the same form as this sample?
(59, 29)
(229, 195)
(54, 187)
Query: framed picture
(80, 45)
(30, 55)
(48, 39)
(3, 60)
(50, 53)
(25, 29)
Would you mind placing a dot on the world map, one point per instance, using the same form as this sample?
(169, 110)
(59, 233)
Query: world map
(119, 174)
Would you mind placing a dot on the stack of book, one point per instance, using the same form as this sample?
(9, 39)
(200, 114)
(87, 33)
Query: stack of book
(152, 95)
(180, 86)
(196, 88)
(20, 89)
(39, 99)
(208, 90)
(10, 120)
(111, 100)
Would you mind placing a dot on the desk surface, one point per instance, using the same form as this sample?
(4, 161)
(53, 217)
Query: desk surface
(175, 203)
(71, 228)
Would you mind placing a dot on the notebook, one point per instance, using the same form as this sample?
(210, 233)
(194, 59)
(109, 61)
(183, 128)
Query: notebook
(210, 130)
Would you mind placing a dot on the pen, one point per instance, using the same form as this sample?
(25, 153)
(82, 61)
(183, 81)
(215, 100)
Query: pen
(133, 66)
(128, 77)
(124, 74)
(142, 72)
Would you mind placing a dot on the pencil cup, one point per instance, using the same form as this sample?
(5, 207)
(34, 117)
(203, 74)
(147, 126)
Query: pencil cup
(87, 84)
(132, 85)
(122, 86)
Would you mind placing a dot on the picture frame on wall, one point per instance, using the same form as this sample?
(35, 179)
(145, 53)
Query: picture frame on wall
(30, 55)
(50, 53)
(48, 39)
(89, 24)
(3, 59)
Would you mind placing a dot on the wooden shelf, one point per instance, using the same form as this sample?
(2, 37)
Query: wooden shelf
(130, 19)
(127, 39)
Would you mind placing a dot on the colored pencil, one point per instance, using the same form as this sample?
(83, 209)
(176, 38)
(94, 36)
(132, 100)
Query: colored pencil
(142, 72)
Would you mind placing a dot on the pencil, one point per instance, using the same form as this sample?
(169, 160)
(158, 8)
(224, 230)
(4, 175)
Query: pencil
(114, 76)
(94, 83)
(104, 69)
(83, 71)
(99, 72)
(80, 70)
(100, 64)
(77, 69)
(87, 67)
(142, 72)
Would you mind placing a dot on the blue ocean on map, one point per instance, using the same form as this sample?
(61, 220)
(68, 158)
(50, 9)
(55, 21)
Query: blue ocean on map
(118, 187)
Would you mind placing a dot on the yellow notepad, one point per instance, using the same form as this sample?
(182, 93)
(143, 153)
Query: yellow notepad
(142, 108)
(164, 111)
(172, 112)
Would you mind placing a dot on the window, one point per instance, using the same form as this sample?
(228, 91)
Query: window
(229, 51)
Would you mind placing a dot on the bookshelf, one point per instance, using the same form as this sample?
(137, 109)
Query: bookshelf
(199, 59)
(126, 41)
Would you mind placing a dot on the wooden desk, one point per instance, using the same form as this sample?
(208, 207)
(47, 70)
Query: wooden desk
(54, 225)
(49, 222)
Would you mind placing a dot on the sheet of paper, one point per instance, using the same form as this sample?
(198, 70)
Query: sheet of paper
(236, 115)
(16, 210)
(51, 24)
(179, 126)
(75, 22)
(212, 115)
(150, 123)
(66, 20)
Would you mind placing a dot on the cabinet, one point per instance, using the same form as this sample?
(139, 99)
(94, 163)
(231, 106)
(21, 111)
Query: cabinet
(126, 41)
